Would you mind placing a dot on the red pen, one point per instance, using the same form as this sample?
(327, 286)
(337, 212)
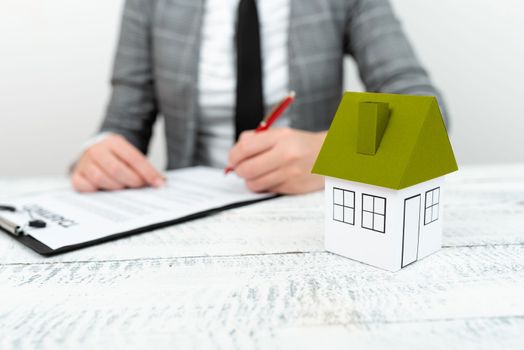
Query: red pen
(271, 118)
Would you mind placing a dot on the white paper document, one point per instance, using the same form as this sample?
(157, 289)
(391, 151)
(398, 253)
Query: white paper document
(72, 218)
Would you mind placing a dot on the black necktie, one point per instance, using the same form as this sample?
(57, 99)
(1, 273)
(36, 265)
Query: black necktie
(249, 98)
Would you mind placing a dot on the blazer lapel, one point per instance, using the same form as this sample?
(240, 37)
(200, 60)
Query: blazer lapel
(176, 47)
(177, 34)
(301, 12)
(315, 61)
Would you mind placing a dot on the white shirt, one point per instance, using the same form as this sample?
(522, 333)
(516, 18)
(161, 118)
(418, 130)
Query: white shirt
(217, 72)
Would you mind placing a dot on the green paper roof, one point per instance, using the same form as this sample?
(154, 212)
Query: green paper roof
(414, 147)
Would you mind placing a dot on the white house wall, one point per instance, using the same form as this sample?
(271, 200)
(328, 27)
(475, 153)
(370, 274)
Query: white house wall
(353, 241)
(382, 250)
(430, 235)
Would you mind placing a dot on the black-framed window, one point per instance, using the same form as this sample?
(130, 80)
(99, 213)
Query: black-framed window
(431, 207)
(343, 206)
(374, 213)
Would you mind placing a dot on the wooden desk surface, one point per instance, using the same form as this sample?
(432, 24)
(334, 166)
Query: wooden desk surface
(257, 277)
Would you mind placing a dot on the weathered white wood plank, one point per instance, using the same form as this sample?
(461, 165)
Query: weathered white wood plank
(136, 293)
(479, 214)
(14, 186)
(478, 334)
(457, 334)
(250, 301)
(484, 206)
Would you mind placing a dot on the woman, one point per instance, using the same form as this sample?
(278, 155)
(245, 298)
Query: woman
(213, 68)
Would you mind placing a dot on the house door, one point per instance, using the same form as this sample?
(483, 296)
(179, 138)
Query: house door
(411, 230)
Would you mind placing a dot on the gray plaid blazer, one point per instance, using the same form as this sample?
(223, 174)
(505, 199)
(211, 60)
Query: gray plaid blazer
(156, 66)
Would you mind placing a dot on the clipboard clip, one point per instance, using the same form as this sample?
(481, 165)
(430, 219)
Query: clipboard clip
(16, 229)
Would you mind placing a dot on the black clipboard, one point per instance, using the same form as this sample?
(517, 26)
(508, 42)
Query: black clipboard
(44, 250)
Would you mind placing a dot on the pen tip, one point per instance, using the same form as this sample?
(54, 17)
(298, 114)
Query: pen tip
(292, 94)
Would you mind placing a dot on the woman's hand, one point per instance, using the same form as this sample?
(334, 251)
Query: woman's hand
(113, 164)
(278, 160)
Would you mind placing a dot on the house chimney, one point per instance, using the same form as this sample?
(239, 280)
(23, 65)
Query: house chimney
(373, 117)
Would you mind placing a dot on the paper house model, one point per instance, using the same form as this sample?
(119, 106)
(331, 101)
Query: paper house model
(384, 159)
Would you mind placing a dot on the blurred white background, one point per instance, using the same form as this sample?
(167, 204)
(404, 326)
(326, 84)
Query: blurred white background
(56, 57)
